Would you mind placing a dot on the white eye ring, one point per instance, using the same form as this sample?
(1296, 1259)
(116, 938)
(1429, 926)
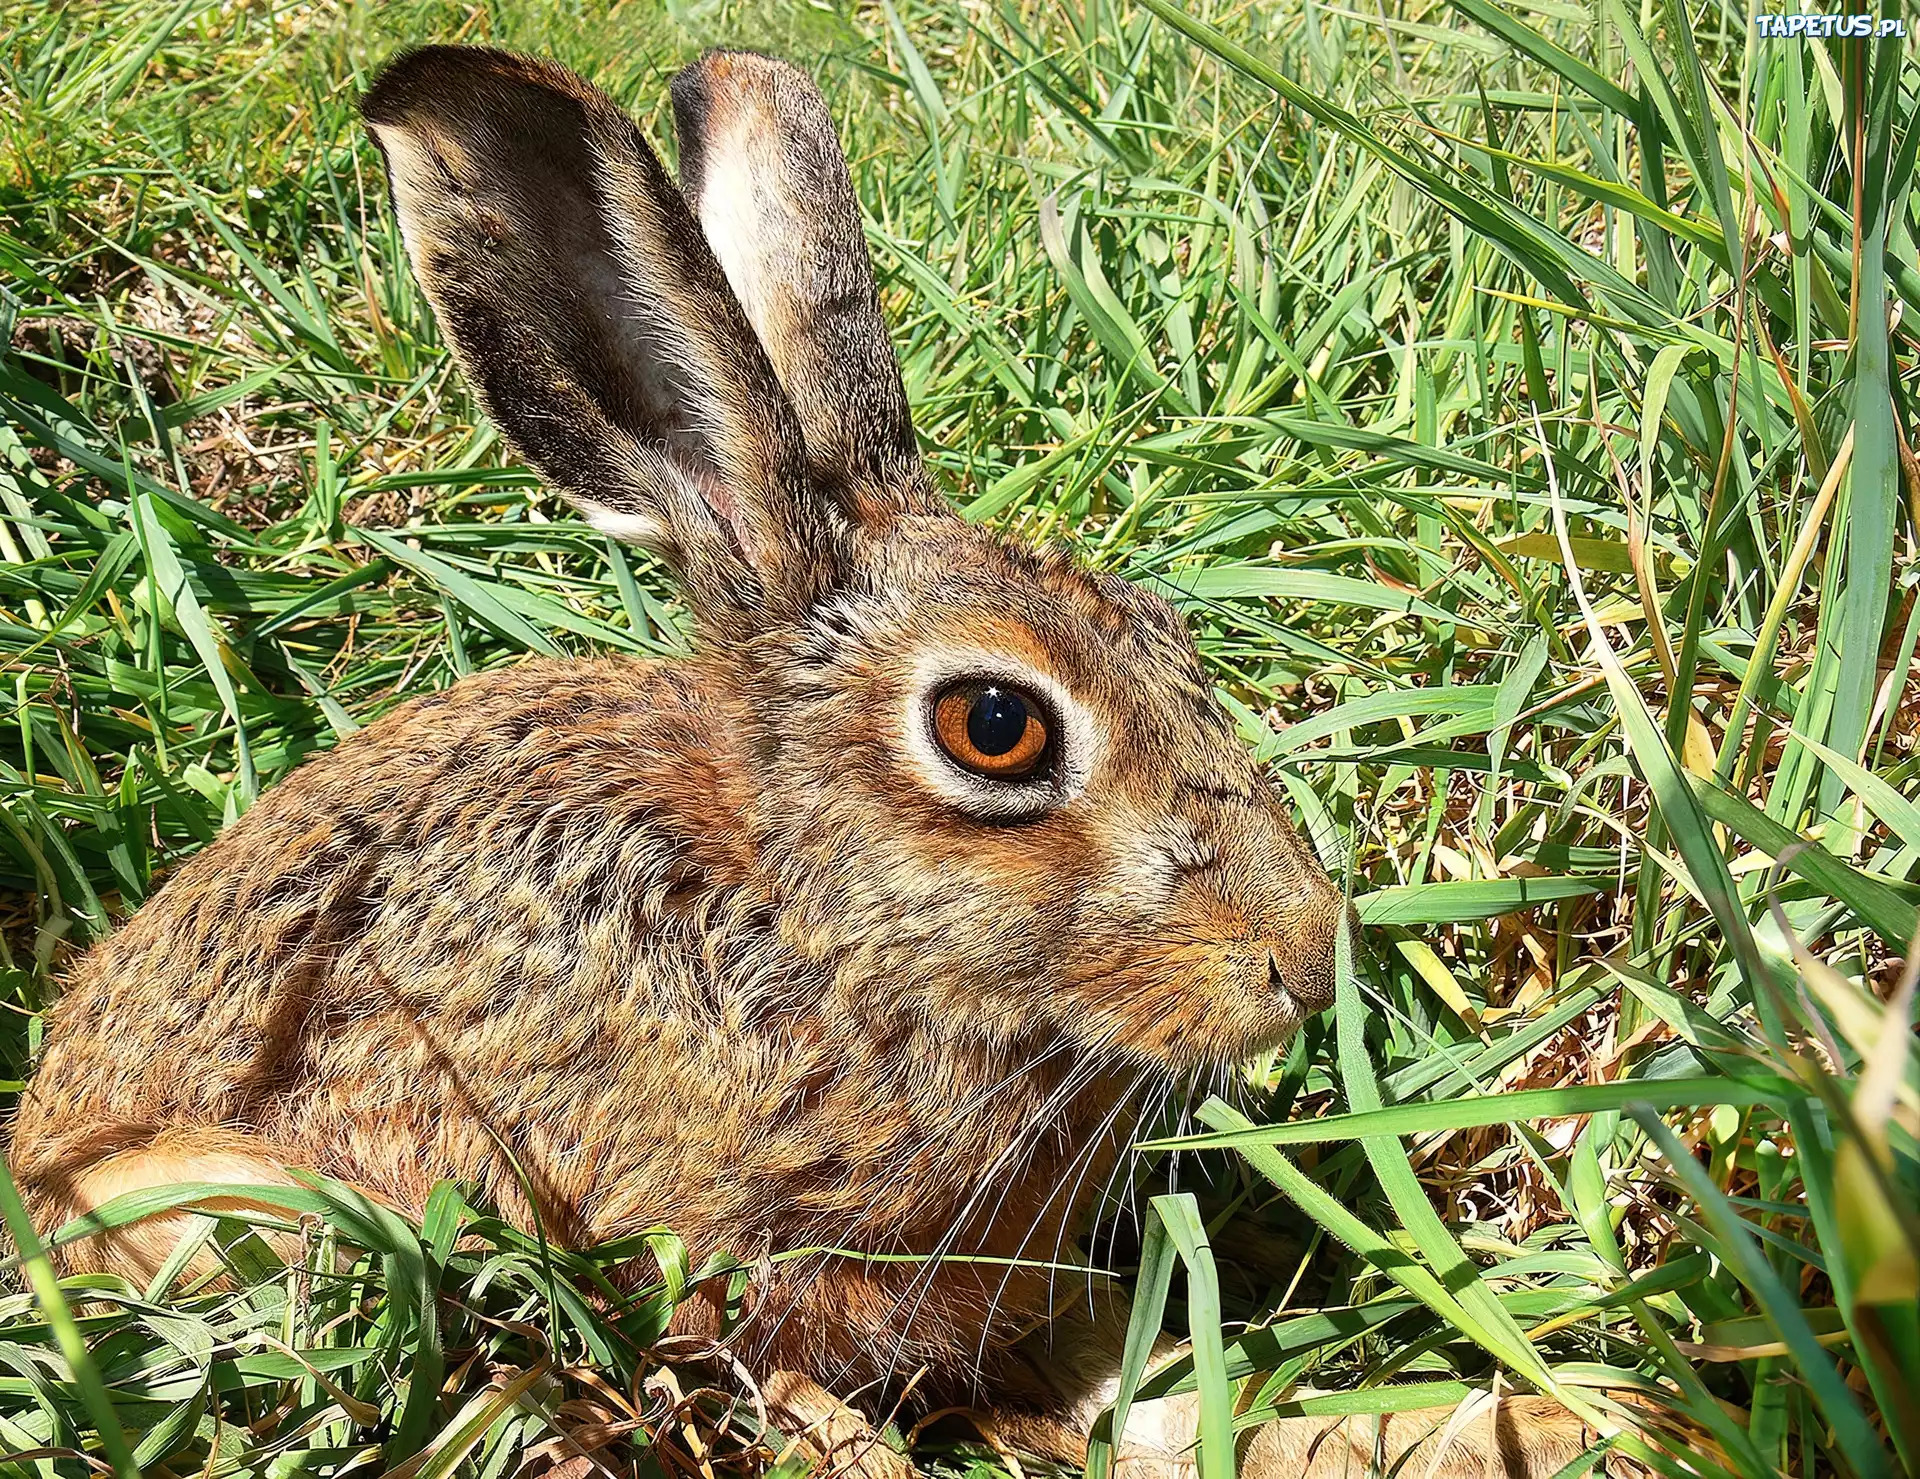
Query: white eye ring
(1075, 741)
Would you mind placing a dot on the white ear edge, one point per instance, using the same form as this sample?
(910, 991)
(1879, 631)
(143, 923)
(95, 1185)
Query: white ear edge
(628, 528)
(733, 216)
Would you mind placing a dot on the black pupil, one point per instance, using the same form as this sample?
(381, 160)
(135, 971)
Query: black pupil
(996, 721)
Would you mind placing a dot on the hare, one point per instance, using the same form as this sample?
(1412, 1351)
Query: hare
(869, 925)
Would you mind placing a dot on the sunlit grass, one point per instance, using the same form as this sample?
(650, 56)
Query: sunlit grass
(1513, 402)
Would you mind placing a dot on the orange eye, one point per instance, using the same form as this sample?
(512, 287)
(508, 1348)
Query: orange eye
(992, 729)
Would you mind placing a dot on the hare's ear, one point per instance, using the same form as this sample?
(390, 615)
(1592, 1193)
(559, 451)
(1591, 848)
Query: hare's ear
(764, 171)
(583, 300)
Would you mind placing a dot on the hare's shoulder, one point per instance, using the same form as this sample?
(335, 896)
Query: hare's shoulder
(539, 779)
(454, 760)
(479, 856)
(461, 760)
(521, 715)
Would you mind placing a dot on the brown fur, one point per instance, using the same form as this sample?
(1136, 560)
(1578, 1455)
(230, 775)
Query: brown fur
(716, 944)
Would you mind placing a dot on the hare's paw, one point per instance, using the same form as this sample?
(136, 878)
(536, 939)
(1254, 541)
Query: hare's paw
(1514, 1438)
(65, 1178)
(842, 1442)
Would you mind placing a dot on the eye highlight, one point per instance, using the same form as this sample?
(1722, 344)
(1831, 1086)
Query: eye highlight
(993, 729)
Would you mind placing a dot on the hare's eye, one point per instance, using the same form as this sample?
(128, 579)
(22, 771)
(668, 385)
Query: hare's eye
(992, 729)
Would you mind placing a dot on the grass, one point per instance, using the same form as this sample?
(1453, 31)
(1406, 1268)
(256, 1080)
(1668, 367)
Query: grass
(1518, 404)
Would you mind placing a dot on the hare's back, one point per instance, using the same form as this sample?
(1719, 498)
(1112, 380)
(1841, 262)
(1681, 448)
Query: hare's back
(447, 864)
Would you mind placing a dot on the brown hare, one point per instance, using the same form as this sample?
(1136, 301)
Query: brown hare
(868, 925)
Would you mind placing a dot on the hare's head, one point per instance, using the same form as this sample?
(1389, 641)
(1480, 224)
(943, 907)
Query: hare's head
(991, 788)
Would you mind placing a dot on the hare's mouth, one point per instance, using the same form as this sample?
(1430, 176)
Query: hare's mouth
(1306, 980)
(1197, 1006)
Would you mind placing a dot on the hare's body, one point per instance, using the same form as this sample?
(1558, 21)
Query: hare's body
(530, 913)
(311, 976)
(871, 926)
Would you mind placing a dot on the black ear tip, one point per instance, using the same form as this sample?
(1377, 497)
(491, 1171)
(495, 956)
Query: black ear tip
(433, 78)
(401, 85)
(722, 59)
(726, 91)
(689, 92)
(723, 70)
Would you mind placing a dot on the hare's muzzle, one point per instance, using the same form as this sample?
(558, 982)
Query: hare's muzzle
(1310, 983)
(1303, 938)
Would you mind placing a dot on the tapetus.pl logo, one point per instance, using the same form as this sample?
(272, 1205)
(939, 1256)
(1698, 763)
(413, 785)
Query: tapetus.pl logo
(1808, 24)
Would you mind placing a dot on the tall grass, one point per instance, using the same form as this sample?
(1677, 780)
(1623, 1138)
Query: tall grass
(1517, 403)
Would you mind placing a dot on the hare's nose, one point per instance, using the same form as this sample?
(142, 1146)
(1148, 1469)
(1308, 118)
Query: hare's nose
(1307, 980)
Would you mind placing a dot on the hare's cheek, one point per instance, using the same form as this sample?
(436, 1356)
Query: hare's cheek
(1144, 867)
(1184, 1003)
